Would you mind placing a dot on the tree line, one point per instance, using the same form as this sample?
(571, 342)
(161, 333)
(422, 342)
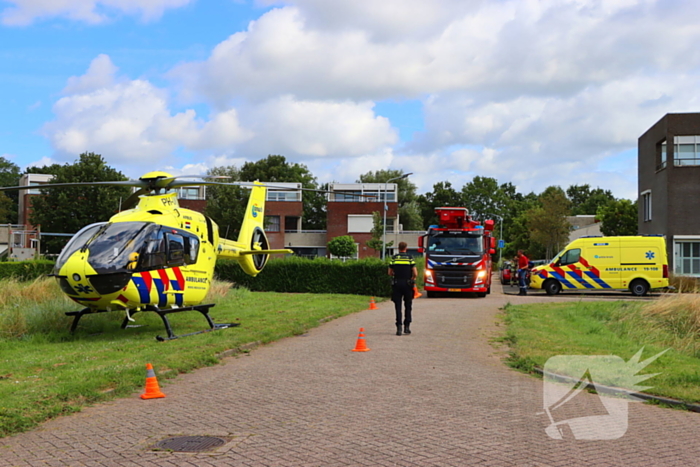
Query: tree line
(533, 222)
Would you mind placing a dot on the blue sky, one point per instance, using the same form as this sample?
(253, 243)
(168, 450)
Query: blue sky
(530, 92)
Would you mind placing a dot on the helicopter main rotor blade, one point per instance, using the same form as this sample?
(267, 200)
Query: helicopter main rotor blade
(267, 185)
(58, 185)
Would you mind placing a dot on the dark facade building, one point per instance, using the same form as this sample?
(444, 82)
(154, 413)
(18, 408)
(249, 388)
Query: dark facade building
(669, 188)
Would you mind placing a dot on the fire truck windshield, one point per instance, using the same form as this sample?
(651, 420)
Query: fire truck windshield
(455, 243)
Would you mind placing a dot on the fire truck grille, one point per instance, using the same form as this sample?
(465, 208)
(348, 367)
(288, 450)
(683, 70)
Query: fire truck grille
(450, 279)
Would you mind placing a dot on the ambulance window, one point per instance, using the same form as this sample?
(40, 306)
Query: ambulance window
(570, 257)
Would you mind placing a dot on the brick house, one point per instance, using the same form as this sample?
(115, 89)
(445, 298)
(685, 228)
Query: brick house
(350, 208)
(669, 188)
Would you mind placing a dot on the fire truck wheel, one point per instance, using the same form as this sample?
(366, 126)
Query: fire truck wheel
(639, 287)
(552, 287)
(481, 294)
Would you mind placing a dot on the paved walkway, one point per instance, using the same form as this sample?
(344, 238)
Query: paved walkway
(439, 397)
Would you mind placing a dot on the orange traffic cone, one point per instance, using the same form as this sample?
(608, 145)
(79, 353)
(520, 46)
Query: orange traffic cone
(372, 304)
(152, 388)
(416, 293)
(361, 346)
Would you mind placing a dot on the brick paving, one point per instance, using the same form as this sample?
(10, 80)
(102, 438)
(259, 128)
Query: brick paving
(438, 397)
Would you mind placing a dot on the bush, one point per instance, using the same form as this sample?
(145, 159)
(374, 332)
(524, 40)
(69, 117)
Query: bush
(25, 270)
(343, 246)
(319, 275)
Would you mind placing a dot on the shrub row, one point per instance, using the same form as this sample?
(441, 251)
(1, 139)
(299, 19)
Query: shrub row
(25, 270)
(319, 275)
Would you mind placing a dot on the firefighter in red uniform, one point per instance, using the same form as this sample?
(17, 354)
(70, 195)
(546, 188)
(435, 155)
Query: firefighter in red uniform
(523, 266)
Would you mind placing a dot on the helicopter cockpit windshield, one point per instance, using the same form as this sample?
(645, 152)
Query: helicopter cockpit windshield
(111, 249)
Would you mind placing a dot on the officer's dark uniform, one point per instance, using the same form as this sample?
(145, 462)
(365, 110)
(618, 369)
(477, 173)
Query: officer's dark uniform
(402, 264)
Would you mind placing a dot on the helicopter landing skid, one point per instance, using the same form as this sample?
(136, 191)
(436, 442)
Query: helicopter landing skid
(204, 309)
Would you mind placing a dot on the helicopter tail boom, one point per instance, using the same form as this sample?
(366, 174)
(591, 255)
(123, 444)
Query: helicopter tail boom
(252, 248)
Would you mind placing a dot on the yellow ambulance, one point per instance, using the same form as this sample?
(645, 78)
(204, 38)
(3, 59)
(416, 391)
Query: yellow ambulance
(637, 264)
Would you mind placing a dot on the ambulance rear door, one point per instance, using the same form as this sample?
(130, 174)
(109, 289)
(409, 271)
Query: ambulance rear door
(642, 257)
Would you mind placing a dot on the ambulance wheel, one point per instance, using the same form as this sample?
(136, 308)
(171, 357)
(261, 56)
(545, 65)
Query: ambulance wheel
(639, 287)
(552, 287)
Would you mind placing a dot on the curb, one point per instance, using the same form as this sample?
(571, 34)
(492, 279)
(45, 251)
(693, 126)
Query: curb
(641, 395)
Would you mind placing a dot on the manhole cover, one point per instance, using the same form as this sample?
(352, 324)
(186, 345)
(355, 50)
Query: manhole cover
(190, 443)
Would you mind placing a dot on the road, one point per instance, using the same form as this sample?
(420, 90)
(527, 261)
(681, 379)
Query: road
(438, 397)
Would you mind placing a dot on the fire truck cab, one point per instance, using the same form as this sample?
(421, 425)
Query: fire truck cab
(457, 253)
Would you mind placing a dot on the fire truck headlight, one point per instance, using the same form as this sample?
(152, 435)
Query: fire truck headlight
(481, 274)
(428, 275)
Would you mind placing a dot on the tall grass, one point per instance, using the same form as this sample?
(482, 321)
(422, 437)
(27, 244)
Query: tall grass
(28, 308)
(676, 316)
(684, 284)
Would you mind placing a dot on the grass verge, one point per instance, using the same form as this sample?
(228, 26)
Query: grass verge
(539, 331)
(46, 372)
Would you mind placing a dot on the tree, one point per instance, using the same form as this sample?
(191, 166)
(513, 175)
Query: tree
(275, 168)
(587, 201)
(226, 204)
(484, 198)
(409, 214)
(618, 217)
(9, 176)
(68, 209)
(377, 241)
(343, 246)
(548, 224)
(442, 195)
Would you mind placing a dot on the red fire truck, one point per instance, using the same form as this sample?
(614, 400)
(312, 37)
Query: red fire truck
(457, 253)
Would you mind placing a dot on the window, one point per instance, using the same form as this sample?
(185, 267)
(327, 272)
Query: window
(687, 258)
(272, 223)
(291, 224)
(176, 249)
(686, 151)
(570, 257)
(283, 195)
(348, 196)
(189, 193)
(662, 156)
(646, 203)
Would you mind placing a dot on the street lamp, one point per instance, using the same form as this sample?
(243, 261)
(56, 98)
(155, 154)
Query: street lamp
(386, 185)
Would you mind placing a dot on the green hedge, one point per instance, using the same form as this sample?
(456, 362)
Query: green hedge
(25, 270)
(319, 275)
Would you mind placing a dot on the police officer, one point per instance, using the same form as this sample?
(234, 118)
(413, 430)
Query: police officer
(402, 269)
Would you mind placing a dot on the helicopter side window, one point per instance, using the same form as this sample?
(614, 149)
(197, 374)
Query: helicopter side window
(154, 252)
(191, 249)
(176, 249)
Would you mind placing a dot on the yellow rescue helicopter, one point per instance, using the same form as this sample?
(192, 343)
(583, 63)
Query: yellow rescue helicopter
(156, 256)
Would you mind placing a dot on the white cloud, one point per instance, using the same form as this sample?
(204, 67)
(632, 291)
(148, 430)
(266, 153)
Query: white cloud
(130, 121)
(25, 12)
(527, 91)
(44, 161)
(328, 129)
